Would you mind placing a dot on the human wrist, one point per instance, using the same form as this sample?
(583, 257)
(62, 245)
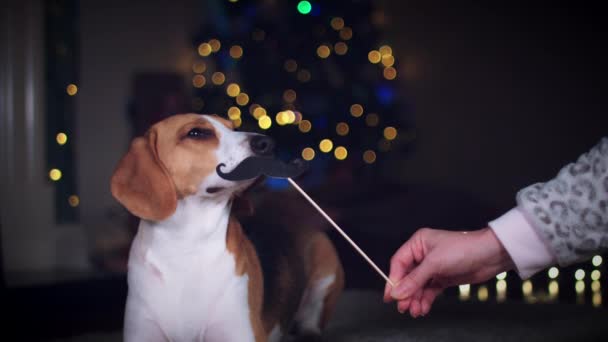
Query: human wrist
(497, 258)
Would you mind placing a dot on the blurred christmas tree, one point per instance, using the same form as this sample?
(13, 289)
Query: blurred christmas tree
(316, 76)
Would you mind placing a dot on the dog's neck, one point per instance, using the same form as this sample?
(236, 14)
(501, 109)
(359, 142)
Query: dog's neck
(196, 222)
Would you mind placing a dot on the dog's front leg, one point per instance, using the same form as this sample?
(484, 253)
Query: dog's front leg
(139, 325)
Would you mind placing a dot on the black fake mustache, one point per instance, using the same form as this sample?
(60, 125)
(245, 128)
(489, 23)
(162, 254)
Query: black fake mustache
(254, 167)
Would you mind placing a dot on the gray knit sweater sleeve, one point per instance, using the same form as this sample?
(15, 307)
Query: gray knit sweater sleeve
(570, 212)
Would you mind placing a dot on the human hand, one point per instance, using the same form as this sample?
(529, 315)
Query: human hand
(432, 260)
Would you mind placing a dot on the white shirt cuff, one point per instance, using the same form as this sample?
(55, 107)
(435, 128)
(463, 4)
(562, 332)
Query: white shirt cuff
(528, 252)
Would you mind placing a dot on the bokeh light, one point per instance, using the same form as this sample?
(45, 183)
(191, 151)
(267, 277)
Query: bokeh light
(482, 293)
(340, 48)
(242, 99)
(234, 113)
(61, 138)
(597, 260)
(304, 7)
(73, 201)
(305, 126)
(501, 276)
(259, 112)
(356, 110)
(374, 56)
(385, 50)
(595, 275)
(389, 73)
(390, 133)
(199, 67)
(337, 23)
(236, 51)
(290, 65)
(199, 81)
(579, 274)
(388, 60)
(342, 128)
(553, 272)
(289, 95)
(265, 122)
(346, 33)
(233, 90)
(71, 89)
(218, 78)
(526, 288)
(215, 45)
(55, 174)
(326, 145)
(369, 156)
(323, 51)
(341, 153)
(308, 153)
(304, 75)
(204, 49)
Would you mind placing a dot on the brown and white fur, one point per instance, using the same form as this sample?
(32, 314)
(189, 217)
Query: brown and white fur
(194, 274)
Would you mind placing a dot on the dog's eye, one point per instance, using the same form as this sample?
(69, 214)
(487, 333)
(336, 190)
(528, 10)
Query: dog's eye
(200, 133)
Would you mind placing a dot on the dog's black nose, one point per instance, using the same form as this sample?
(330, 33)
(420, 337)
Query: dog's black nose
(262, 145)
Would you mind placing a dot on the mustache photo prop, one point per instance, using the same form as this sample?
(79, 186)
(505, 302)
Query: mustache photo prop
(253, 167)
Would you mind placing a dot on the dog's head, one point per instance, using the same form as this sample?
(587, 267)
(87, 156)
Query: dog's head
(180, 157)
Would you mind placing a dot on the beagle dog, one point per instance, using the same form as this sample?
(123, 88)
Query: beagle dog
(194, 273)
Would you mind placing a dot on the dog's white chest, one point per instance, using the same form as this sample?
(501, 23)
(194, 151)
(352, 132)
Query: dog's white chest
(188, 293)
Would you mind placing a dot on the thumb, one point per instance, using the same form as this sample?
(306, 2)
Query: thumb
(414, 281)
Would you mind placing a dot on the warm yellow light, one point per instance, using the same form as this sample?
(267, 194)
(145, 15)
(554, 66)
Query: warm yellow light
(553, 272)
(346, 33)
(237, 123)
(595, 275)
(388, 61)
(234, 113)
(374, 56)
(579, 274)
(215, 45)
(389, 73)
(290, 65)
(482, 293)
(337, 23)
(597, 299)
(341, 48)
(580, 286)
(390, 133)
(305, 126)
(385, 50)
(253, 107)
(501, 285)
(73, 201)
(71, 89)
(242, 99)
(323, 51)
(369, 156)
(289, 95)
(218, 78)
(308, 153)
(596, 285)
(281, 118)
(199, 67)
(372, 119)
(258, 35)
(597, 260)
(356, 110)
(500, 276)
(326, 145)
(526, 288)
(342, 128)
(61, 138)
(233, 90)
(55, 174)
(199, 81)
(259, 112)
(236, 51)
(341, 153)
(553, 288)
(464, 291)
(265, 122)
(204, 49)
(290, 117)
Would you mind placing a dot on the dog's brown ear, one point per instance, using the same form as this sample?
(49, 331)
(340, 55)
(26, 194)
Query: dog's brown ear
(142, 184)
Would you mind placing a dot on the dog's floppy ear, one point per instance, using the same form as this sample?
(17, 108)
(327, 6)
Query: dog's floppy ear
(142, 184)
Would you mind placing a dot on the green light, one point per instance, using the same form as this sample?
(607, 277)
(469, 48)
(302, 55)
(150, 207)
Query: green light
(304, 7)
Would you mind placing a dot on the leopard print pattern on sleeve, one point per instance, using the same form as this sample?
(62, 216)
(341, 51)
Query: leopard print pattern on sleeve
(571, 211)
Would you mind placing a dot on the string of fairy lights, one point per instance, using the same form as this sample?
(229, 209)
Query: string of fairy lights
(545, 287)
(243, 105)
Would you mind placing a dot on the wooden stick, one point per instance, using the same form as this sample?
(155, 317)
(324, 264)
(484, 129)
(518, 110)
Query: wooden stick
(340, 231)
